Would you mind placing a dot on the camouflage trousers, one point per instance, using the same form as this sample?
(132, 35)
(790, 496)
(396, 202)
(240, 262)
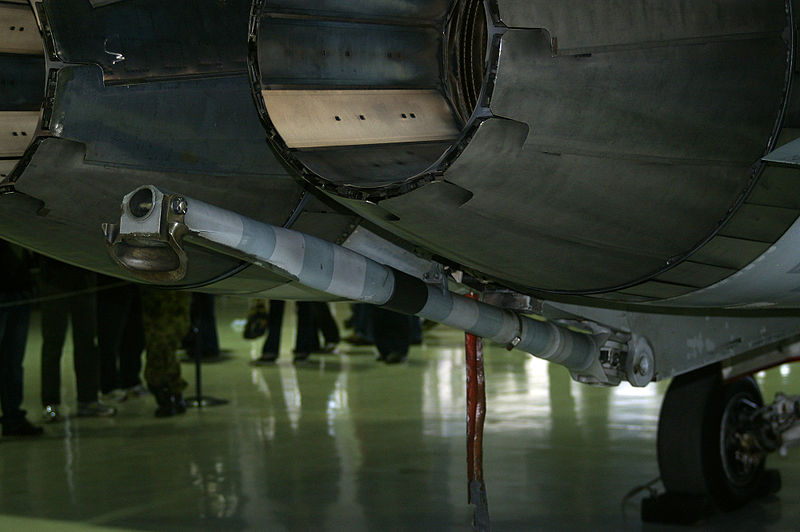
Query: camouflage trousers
(166, 322)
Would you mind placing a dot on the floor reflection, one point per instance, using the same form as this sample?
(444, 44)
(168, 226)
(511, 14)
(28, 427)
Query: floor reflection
(344, 443)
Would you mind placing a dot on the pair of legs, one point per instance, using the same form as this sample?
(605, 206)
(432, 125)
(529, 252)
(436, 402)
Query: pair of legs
(166, 320)
(120, 335)
(13, 338)
(312, 318)
(392, 333)
(73, 301)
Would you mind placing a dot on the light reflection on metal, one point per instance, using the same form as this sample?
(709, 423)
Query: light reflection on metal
(118, 57)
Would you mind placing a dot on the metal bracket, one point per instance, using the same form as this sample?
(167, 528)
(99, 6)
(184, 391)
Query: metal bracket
(146, 243)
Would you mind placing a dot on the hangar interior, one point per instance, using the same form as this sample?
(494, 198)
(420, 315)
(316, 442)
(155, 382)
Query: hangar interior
(343, 442)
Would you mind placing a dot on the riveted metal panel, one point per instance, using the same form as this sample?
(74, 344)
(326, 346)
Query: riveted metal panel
(585, 25)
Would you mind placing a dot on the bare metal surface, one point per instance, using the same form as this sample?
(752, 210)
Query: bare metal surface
(17, 130)
(617, 23)
(620, 138)
(747, 365)
(770, 281)
(19, 33)
(325, 118)
(367, 243)
(788, 154)
(682, 343)
(6, 166)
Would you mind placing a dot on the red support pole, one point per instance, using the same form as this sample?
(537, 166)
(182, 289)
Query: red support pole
(476, 416)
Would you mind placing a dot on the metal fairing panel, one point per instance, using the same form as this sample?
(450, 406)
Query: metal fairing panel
(422, 10)
(771, 281)
(58, 225)
(610, 200)
(21, 82)
(72, 204)
(187, 124)
(684, 342)
(579, 25)
(290, 65)
(611, 140)
(183, 126)
(156, 39)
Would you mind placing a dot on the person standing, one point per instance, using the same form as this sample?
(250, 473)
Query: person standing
(312, 318)
(72, 297)
(120, 338)
(166, 319)
(15, 291)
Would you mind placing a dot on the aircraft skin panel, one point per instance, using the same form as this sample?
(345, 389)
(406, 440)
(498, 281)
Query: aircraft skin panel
(21, 82)
(319, 119)
(596, 162)
(135, 41)
(580, 25)
(17, 130)
(6, 165)
(687, 341)
(19, 33)
(597, 156)
(185, 125)
(771, 281)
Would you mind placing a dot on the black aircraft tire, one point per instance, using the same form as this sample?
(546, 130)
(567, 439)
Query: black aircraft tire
(696, 448)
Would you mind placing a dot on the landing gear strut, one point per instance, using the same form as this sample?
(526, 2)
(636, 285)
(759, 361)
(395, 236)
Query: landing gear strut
(709, 453)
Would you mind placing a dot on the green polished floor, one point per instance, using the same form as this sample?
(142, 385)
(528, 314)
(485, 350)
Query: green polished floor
(346, 443)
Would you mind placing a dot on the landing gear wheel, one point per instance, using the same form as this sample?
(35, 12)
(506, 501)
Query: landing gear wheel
(700, 449)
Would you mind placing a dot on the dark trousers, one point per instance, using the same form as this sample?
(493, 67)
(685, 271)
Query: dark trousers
(120, 336)
(13, 337)
(392, 331)
(311, 317)
(362, 320)
(272, 345)
(81, 311)
(324, 322)
(204, 326)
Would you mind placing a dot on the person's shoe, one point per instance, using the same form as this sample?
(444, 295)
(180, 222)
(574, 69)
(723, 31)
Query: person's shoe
(96, 409)
(395, 357)
(23, 428)
(169, 404)
(328, 349)
(357, 339)
(301, 357)
(115, 396)
(51, 414)
(265, 360)
(179, 403)
(137, 391)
